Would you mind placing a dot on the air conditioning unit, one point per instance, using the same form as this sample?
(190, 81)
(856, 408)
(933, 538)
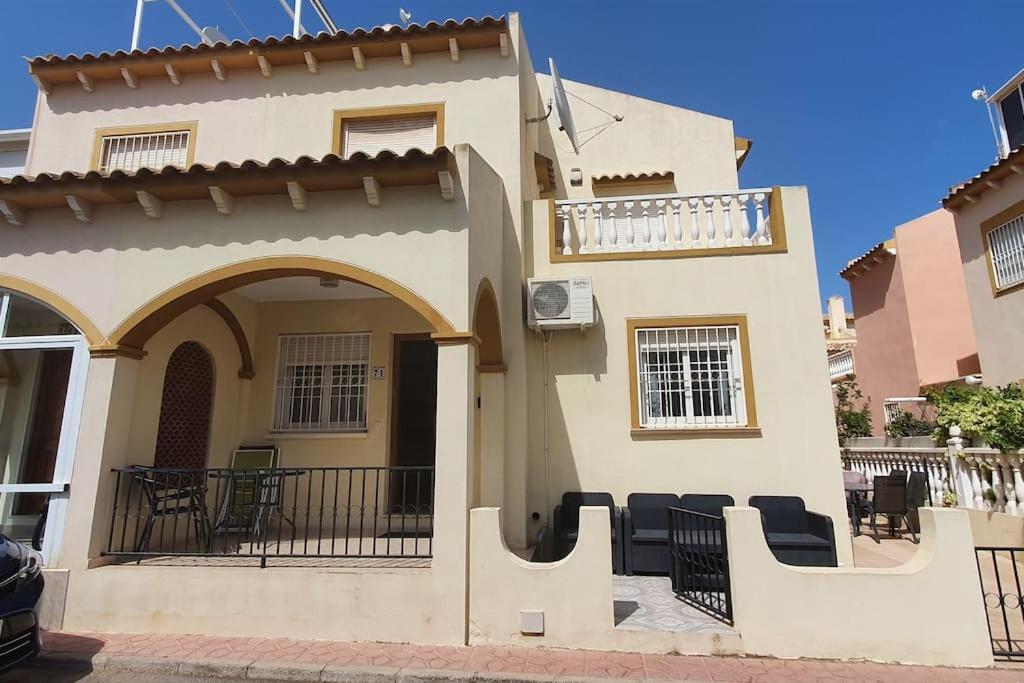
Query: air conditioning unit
(560, 303)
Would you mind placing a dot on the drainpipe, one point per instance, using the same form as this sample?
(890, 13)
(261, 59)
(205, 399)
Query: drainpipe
(543, 551)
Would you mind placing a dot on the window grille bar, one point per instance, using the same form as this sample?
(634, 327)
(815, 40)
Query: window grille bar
(145, 150)
(1006, 246)
(322, 382)
(690, 377)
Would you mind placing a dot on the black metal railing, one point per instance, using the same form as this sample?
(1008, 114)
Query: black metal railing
(283, 512)
(699, 566)
(999, 570)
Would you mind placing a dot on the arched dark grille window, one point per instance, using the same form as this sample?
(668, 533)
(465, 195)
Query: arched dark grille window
(185, 409)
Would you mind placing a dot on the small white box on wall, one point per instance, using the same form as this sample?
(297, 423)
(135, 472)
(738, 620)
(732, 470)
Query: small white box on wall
(531, 622)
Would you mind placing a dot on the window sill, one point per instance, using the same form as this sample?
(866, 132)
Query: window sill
(701, 432)
(292, 436)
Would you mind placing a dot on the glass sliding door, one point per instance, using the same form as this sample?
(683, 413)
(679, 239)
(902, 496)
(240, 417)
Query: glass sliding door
(43, 359)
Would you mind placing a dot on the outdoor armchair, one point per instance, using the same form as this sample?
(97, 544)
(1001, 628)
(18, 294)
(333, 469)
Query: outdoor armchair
(645, 532)
(794, 535)
(706, 503)
(566, 524)
(889, 499)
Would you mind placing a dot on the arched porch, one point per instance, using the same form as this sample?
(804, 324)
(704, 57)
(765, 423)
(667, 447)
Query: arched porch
(304, 365)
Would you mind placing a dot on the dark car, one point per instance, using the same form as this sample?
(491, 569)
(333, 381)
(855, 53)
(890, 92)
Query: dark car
(21, 584)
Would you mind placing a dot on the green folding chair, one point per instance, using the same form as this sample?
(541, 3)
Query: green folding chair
(252, 492)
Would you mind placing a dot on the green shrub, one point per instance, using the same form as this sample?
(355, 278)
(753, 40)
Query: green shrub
(851, 421)
(994, 415)
(905, 424)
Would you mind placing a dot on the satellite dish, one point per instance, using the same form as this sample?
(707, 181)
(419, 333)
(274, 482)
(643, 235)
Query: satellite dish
(562, 107)
(213, 35)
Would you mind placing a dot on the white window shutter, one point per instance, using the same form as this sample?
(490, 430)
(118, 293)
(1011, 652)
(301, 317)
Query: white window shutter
(397, 134)
(146, 150)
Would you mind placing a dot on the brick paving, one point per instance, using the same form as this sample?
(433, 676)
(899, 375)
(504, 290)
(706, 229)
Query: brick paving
(323, 660)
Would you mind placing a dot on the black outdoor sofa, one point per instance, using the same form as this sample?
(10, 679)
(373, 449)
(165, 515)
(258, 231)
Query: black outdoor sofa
(794, 535)
(645, 527)
(640, 531)
(566, 523)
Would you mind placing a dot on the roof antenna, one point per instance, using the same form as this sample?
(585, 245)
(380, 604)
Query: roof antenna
(404, 16)
(210, 35)
(981, 95)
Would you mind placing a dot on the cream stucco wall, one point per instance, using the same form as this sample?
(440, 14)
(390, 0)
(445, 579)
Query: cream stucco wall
(114, 265)
(591, 447)
(230, 393)
(998, 320)
(698, 148)
(880, 614)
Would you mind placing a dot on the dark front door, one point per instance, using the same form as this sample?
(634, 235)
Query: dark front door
(414, 423)
(44, 437)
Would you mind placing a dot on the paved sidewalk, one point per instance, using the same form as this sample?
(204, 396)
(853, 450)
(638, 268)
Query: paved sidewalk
(194, 657)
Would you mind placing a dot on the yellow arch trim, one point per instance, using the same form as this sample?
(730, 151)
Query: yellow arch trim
(246, 369)
(90, 331)
(487, 328)
(136, 330)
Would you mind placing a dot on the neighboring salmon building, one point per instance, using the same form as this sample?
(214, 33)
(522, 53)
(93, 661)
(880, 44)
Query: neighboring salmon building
(911, 311)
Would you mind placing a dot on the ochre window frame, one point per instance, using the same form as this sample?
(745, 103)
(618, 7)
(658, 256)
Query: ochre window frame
(740, 322)
(370, 113)
(145, 129)
(987, 226)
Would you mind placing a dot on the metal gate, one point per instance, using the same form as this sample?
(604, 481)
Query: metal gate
(699, 566)
(999, 570)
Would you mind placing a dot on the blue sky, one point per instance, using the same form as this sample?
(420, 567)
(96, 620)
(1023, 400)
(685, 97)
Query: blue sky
(866, 102)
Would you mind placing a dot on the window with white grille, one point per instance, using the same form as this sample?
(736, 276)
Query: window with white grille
(144, 150)
(322, 382)
(690, 377)
(1006, 249)
(398, 134)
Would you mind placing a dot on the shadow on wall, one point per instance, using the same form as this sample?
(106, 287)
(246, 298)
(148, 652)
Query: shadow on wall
(249, 84)
(573, 359)
(255, 221)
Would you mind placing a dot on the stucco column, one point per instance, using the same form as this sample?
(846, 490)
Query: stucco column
(456, 369)
(492, 441)
(102, 444)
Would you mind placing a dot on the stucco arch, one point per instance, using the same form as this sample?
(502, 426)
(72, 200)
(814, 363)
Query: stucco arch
(72, 313)
(487, 328)
(135, 331)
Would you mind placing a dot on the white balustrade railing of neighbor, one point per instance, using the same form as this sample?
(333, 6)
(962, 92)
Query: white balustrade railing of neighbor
(980, 478)
(664, 222)
(840, 364)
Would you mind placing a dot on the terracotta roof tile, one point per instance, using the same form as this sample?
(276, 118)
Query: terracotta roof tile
(1013, 163)
(322, 38)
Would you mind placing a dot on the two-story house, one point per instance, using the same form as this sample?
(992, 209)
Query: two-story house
(989, 214)
(311, 255)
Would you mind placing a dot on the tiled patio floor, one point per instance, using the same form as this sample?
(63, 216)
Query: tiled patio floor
(317, 656)
(647, 603)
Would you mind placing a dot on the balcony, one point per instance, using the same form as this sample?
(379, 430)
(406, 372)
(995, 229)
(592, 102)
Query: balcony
(840, 365)
(668, 226)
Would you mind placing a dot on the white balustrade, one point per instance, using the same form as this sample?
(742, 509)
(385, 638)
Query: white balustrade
(631, 224)
(840, 364)
(980, 478)
(880, 461)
